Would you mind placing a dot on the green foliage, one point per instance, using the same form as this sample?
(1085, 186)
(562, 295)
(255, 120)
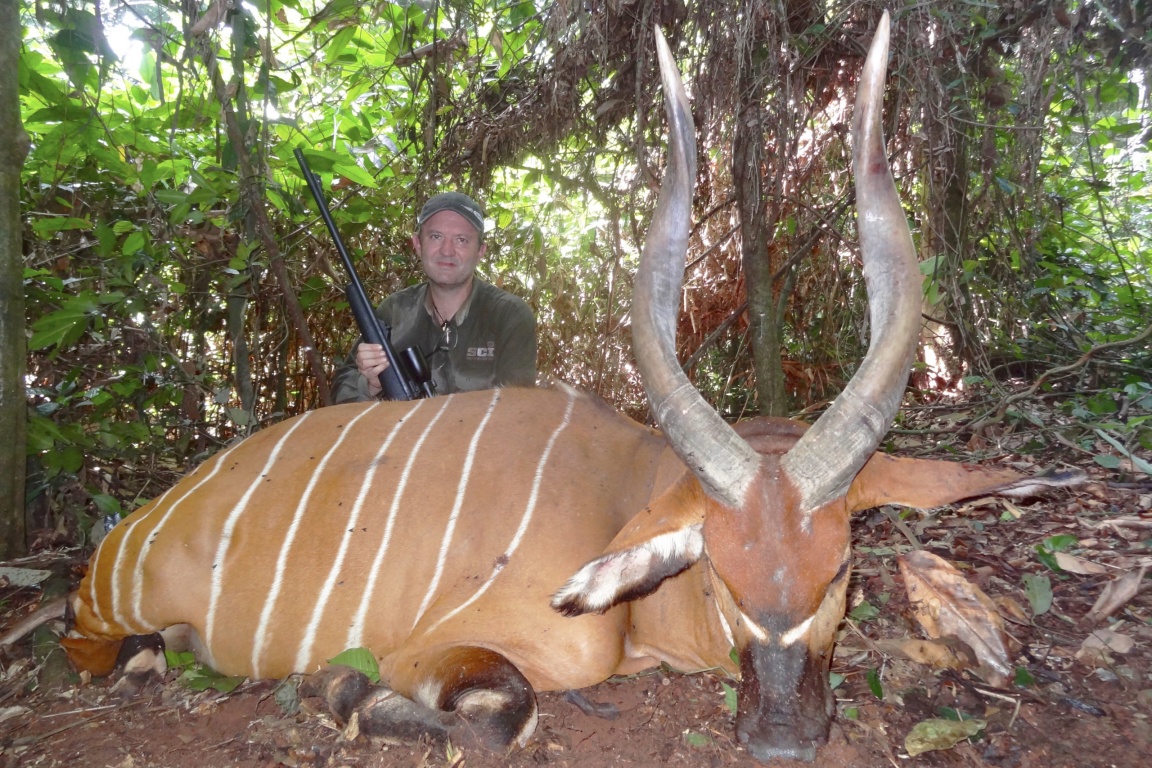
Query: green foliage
(197, 677)
(729, 697)
(1045, 549)
(1038, 590)
(159, 333)
(865, 611)
(361, 660)
(873, 679)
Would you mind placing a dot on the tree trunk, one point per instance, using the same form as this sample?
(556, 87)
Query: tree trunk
(13, 404)
(748, 178)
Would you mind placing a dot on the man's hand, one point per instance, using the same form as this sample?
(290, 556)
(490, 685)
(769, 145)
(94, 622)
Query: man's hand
(371, 362)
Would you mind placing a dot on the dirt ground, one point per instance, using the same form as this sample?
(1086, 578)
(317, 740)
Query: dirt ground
(1070, 706)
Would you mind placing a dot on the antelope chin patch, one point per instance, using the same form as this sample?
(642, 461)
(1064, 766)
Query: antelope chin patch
(629, 574)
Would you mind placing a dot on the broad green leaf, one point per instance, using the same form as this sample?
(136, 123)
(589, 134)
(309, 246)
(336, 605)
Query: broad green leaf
(107, 505)
(134, 243)
(874, 685)
(1038, 590)
(864, 612)
(47, 227)
(201, 678)
(170, 196)
(355, 173)
(338, 43)
(64, 325)
(1137, 462)
(729, 697)
(939, 733)
(360, 659)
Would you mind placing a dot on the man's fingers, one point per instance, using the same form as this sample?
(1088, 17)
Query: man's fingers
(371, 362)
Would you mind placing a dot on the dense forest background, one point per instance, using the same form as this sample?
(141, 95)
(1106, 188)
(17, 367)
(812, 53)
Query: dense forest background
(179, 290)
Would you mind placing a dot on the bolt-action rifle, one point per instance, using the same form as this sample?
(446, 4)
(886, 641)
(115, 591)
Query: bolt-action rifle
(407, 376)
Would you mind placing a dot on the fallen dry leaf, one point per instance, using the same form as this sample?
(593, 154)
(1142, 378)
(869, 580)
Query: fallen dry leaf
(1011, 610)
(1079, 565)
(1094, 651)
(1116, 595)
(7, 713)
(945, 653)
(1118, 524)
(1107, 638)
(946, 604)
(352, 729)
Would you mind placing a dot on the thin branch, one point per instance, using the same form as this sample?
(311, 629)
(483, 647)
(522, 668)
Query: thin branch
(991, 418)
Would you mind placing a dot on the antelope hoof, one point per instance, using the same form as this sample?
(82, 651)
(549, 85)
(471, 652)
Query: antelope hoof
(342, 689)
(380, 712)
(140, 661)
(388, 715)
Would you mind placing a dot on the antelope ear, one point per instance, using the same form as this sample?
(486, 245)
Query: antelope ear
(924, 484)
(664, 539)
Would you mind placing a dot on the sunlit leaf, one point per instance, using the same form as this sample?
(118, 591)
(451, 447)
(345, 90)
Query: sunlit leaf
(360, 659)
(1038, 590)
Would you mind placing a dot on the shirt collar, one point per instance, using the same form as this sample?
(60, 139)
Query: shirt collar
(462, 313)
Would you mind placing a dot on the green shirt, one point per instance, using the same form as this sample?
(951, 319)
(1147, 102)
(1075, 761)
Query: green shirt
(489, 342)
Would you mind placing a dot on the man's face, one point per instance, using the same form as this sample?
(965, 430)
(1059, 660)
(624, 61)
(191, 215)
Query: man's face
(449, 249)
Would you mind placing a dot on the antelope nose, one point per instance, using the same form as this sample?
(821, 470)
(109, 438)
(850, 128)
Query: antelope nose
(779, 746)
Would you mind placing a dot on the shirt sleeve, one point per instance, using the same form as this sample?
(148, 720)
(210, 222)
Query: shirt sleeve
(516, 366)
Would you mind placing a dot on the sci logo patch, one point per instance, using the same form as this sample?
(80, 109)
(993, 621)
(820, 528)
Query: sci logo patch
(482, 353)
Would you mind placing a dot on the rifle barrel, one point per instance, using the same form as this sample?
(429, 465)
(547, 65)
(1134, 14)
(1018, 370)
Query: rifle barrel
(394, 383)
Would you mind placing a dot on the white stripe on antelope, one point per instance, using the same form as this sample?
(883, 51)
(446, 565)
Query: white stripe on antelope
(490, 544)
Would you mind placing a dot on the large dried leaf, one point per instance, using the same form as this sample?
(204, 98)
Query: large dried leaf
(1116, 595)
(945, 653)
(946, 604)
(1107, 639)
(1098, 647)
(1079, 565)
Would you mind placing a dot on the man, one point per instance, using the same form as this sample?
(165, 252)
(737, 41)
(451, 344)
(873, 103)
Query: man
(474, 335)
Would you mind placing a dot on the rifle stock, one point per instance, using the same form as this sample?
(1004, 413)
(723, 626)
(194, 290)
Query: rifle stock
(395, 380)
